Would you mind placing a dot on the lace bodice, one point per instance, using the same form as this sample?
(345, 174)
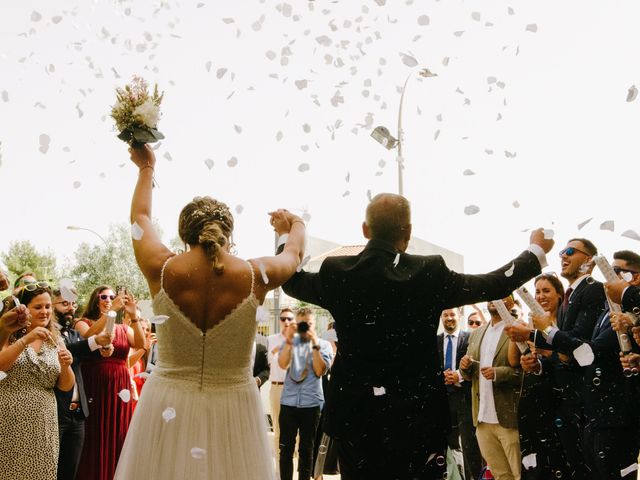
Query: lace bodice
(220, 357)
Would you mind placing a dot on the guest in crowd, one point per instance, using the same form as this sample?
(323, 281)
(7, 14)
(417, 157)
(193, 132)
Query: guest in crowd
(306, 358)
(494, 391)
(540, 447)
(277, 374)
(34, 363)
(22, 280)
(260, 357)
(73, 407)
(107, 384)
(452, 346)
(4, 281)
(138, 359)
(476, 318)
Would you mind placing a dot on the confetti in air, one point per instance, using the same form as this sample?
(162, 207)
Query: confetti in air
(509, 272)
(159, 319)
(136, 231)
(168, 414)
(125, 395)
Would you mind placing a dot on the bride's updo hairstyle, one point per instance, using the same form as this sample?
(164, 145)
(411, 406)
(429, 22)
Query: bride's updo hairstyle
(209, 223)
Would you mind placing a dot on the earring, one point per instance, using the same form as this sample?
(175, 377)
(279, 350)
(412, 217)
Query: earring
(232, 249)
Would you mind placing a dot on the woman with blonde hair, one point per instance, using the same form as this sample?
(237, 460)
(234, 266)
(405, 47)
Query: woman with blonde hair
(200, 414)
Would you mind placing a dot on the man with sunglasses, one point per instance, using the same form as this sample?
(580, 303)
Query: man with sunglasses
(306, 358)
(277, 375)
(611, 427)
(73, 407)
(584, 303)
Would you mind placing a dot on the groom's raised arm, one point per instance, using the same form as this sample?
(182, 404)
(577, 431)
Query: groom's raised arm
(305, 286)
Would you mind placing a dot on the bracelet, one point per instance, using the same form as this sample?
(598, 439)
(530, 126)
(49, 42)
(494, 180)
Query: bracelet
(24, 344)
(146, 166)
(298, 221)
(134, 320)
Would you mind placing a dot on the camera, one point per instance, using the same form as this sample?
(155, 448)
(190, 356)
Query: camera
(303, 327)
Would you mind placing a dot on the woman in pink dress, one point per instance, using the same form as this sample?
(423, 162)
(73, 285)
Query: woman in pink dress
(107, 383)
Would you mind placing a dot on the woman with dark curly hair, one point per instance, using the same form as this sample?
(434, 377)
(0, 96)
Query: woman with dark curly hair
(34, 362)
(107, 383)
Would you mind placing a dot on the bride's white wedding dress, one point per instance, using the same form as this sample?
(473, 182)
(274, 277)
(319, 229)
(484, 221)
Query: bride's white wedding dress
(200, 414)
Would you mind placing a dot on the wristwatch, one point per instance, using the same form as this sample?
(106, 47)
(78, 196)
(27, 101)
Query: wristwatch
(546, 331)
(316, 347)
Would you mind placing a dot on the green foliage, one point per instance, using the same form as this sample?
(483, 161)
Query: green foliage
(23, 257)
(113, 264)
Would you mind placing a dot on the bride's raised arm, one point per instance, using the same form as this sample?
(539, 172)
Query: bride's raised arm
(150, 252)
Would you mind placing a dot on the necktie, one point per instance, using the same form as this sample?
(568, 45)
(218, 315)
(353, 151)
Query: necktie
(448, 355)
(565, 302)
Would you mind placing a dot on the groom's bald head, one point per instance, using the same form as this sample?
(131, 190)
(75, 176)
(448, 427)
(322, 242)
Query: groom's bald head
(388, 218)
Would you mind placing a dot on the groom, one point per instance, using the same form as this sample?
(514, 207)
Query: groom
(387, 404)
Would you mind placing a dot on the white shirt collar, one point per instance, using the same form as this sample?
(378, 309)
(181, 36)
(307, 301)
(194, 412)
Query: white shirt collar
(575, 284)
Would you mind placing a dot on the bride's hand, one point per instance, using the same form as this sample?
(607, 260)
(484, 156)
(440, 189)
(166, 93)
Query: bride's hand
(142, 156)
(279, 222)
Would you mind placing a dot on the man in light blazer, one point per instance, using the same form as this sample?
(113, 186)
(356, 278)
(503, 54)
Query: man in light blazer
(495, 394)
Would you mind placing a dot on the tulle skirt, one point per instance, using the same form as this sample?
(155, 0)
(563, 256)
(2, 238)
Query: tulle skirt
(180, 431)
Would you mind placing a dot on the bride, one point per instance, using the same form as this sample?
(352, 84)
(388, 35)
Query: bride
(200, 415)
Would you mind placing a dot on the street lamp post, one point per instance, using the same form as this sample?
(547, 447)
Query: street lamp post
(73, 227)
(382, 135)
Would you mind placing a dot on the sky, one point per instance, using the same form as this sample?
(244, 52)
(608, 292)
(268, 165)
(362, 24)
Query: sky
(271, 104)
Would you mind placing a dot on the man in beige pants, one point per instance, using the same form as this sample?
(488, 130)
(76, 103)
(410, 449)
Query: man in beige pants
(277, 374)
(495, 394)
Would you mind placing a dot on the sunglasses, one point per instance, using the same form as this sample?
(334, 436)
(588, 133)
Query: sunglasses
(569, 251)
(620, 270)
(284, 319)
(30, 287)
(474, 322)
(104, 296)
(65, 303)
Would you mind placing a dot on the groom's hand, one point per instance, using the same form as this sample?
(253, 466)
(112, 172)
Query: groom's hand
(279, 222)
(537, 238)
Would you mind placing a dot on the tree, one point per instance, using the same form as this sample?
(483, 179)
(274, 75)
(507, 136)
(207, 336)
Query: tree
(23, 257)
(112, 264)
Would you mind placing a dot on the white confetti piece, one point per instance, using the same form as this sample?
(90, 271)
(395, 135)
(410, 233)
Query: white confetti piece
(168, 156)
(408, 60)
(423, 20)
(228, 20)
(209, 163)
(459, 33)
(396, 260)
(44, 141)
(239, 209)
(379, 391)
(303, 167)
(468, 172)
(159, 319)
(476, 16)
(77, 184)
(532, 27)
(515, 204)
(582, 224)
(510, 11)
(56, 20)
(632, 93)
(584, 355)
(627, 276)
(306, 216)
(271, 55)
(626, 471)
(136, 231)
(262, 314)
(509, 272)
(630, 234)
(168, 414)
(436, 135)
(232, 162)
(510, 154)
(67, 294)
(263, 273)
(278, 136)
(608, 225)
(2, 376)
(304, 261)
(143, 375)
(125, 395)
(36, 16)
(324, 41)
(198, 453)
(220, 73)
(5, 96)
(548, 233)
(488, 151)
(301, 84)
(529, 461)
(471, 209)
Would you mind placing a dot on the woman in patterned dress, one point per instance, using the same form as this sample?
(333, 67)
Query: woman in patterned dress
(107, 384)
(34, 362)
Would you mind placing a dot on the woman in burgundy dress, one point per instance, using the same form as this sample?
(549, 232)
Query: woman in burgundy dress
(107, 384)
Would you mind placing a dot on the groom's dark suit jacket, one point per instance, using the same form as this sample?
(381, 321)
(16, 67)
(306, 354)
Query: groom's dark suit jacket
(386, 319)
